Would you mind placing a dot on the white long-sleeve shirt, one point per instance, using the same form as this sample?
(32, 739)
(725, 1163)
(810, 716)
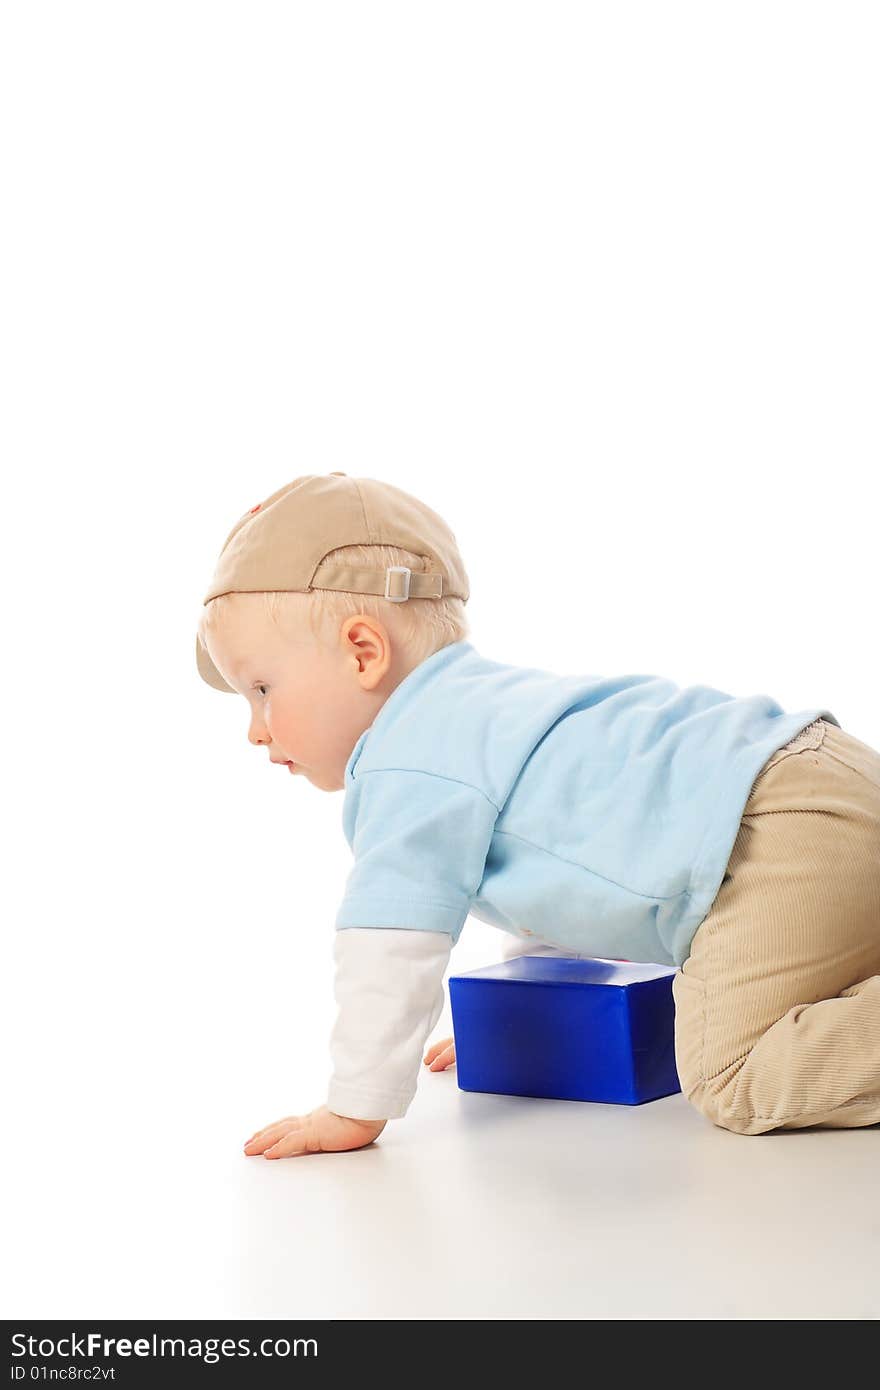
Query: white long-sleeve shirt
(389, 989)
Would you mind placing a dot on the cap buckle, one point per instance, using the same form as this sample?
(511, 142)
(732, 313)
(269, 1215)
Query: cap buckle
(397, 569)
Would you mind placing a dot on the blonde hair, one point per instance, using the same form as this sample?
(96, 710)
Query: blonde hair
(421, 625)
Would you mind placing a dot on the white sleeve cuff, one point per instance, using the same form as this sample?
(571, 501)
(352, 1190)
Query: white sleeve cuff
(389, 988)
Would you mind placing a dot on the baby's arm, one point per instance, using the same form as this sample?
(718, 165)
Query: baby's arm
(389, 987)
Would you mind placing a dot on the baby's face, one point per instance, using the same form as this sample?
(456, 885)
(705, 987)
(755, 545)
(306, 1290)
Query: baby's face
(309, 702)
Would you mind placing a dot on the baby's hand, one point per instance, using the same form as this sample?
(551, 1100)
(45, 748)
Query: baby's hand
(320, 1131)
(440, 1055)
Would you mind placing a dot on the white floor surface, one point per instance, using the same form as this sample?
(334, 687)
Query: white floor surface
(472, 1206)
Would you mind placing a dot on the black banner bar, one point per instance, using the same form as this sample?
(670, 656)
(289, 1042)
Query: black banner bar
(141, 1352)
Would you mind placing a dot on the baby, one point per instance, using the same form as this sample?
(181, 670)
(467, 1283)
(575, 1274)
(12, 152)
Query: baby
(593, 816)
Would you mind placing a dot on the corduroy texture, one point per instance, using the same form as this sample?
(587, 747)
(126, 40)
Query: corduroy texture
(777, 1020)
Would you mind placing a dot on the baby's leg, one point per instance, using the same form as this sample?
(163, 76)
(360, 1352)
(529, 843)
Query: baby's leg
(778, 1005)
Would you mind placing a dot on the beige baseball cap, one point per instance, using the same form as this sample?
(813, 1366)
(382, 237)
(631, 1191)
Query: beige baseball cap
(282, 544)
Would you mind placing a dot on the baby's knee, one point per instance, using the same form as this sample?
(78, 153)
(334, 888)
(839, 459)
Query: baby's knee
(721, 1102)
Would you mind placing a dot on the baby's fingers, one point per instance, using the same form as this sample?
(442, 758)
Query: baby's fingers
(264, 1138)
(293, 1143)
(440, 1055)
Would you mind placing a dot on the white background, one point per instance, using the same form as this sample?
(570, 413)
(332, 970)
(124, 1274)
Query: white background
(599, 283)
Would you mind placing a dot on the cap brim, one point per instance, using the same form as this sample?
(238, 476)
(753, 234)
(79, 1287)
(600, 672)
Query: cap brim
(208, 671)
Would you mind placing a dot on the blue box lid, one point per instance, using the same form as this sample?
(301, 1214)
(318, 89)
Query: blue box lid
(563, 970)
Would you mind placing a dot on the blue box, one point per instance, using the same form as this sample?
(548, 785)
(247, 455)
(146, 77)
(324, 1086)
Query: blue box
(566, 1029)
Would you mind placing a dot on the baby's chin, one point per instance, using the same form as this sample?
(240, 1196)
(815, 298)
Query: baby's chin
(323, 782)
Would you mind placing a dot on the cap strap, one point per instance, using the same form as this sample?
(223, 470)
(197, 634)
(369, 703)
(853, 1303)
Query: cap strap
(388, 584)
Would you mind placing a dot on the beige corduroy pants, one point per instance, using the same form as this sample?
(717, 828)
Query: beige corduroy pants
(777, 1008)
